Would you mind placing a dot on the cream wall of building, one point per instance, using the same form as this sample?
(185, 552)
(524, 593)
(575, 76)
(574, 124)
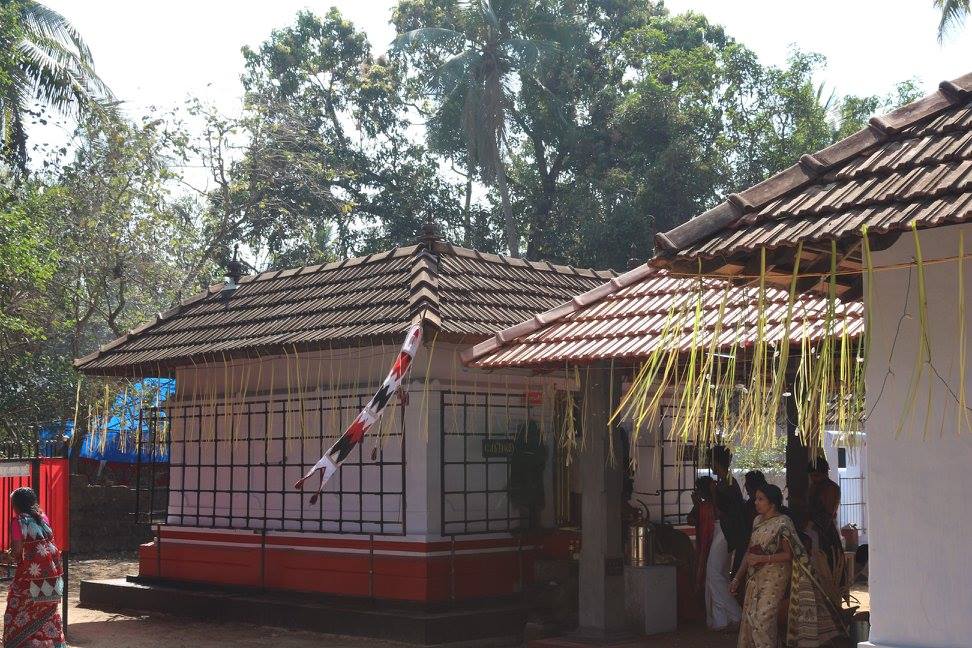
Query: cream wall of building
(919, 503)
(224, 404)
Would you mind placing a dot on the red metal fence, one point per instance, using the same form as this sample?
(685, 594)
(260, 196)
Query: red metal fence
(50, 477)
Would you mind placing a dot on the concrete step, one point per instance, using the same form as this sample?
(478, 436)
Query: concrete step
(466, 624)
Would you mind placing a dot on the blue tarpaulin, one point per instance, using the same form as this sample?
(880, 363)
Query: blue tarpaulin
(120, 440)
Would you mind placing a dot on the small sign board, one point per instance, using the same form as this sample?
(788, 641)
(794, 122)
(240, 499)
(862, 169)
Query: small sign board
(15, 469)
(498, 447)
(534, 398)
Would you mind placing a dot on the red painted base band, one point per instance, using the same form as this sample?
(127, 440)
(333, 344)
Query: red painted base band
(385, 569)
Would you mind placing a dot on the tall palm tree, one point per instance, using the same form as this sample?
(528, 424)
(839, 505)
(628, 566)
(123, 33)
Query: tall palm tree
(485, 58)
(953, 14)
(45, 62)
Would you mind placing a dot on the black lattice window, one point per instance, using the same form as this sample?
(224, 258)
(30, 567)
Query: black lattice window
(234, 466)
(475, 480)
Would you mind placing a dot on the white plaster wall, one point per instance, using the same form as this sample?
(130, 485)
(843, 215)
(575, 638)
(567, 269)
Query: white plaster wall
(920, 509)
(296, 383)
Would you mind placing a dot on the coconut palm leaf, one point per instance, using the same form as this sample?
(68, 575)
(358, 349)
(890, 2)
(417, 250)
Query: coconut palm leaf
(51, 65)
(458, 72)
(953, 13)
(429, 37)
(525, 55)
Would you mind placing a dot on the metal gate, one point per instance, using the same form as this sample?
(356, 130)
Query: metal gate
(46, 469)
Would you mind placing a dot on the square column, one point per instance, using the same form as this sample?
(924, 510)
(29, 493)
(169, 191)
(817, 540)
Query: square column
(601, 591)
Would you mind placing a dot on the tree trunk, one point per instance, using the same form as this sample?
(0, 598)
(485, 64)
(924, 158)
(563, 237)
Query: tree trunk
(512, 237)
(467, 215)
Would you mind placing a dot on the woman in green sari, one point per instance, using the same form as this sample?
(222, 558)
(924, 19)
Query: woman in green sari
(780, 576)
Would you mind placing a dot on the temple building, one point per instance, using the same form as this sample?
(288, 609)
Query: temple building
(271, 368)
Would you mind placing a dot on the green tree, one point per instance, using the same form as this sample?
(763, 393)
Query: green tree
(479, 55)
(100, 245)
(44, 61)
(28, 260)
(329, 161)
(628, 120)
(954, 13)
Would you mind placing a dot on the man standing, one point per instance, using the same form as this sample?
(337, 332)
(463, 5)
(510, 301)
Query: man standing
(722, 609)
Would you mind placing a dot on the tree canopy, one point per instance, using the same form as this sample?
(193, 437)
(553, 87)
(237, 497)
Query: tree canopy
(567, 130)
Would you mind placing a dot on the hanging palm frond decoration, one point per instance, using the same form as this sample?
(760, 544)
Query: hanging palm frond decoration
(728, 356)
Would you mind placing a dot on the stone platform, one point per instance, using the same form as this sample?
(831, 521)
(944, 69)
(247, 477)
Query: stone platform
(493, 623)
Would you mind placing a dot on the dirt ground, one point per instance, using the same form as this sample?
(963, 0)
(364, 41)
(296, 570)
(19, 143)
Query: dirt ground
(91, 628)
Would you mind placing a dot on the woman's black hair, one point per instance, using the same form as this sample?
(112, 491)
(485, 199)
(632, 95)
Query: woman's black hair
(774, 495)
(24, 500)
(704, 484)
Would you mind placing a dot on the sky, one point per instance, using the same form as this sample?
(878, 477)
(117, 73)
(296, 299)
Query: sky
(155, 54)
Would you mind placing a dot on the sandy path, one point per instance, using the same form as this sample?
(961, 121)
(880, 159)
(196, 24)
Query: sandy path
(94, 628)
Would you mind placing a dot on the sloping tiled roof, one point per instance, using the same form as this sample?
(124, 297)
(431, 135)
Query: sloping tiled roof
(914, 164)
(461, 293)
(624, 319)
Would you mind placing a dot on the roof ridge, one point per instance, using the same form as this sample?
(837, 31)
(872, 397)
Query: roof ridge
(424, 301)
(541, 265)
(578, 302)
(374, 257)
(811, 166)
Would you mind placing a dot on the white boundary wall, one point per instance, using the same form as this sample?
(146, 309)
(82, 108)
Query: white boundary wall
(919, 501)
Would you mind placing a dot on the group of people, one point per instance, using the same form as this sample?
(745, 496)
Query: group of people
(776, 580)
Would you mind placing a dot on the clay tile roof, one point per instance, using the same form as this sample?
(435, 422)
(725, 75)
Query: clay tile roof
(623, 319)
(914, 164)
(461, 293)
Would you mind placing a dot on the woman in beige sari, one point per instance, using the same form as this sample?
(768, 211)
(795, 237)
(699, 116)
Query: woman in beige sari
(781, 575)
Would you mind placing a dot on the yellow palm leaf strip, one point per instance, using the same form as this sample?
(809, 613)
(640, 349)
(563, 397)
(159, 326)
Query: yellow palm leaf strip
(213, 404)
(77, 404)
(658, 387)
(783, 359)
(636, 390)
(585, 404)
(919, 368)
(610, 430)
(122, 420)
(923, 323)
(844, 380)
(713, 373)
(455, 389)
(804, 384)
(227, 384)
(688, 394)
(301, 383)
(658, 383)
(425, 387)
(339, 426)
(962, 416)
(638, 387)
(826, 362)
(333, 400)
(103, 440)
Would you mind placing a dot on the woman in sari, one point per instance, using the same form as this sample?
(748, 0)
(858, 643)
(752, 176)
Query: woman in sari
(782, 585)
(33, 618)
